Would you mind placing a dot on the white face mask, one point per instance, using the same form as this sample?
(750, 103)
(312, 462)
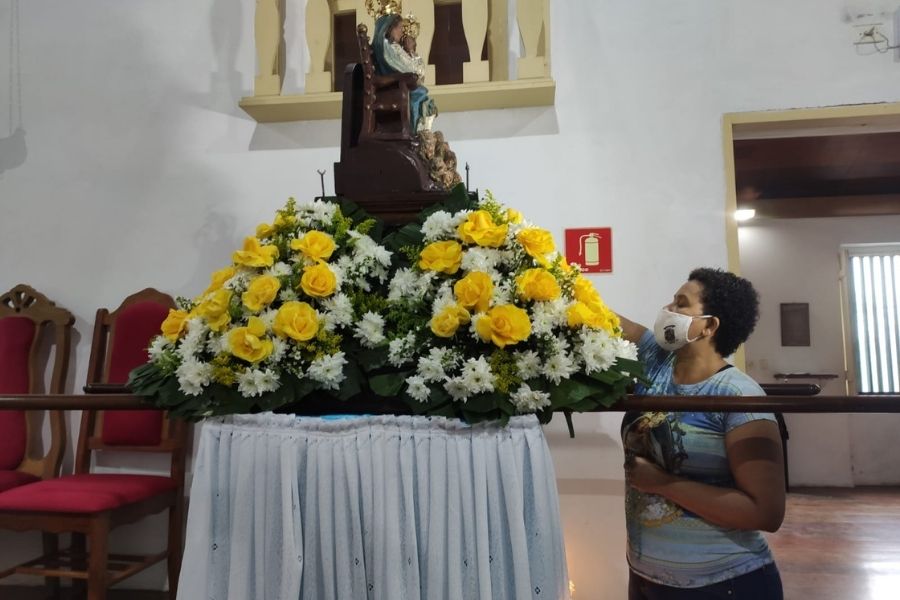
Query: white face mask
(671, 329)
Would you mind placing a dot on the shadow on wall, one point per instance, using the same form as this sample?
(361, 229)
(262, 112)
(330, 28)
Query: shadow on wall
(457, 126)
(13, 150)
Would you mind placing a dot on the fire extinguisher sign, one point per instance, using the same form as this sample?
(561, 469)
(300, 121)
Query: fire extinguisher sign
(590, 248)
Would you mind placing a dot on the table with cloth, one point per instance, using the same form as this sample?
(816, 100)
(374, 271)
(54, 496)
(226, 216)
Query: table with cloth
(375, 507)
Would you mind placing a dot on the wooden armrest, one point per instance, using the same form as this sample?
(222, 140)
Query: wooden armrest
(106, 388)
(404, 80)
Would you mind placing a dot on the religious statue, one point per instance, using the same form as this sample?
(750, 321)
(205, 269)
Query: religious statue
(394, 50)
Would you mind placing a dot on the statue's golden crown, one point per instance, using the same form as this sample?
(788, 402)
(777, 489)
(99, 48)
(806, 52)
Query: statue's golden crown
(379, 8)
(411, 26)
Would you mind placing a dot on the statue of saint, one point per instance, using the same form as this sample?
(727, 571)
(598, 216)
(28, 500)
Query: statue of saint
(394, 49)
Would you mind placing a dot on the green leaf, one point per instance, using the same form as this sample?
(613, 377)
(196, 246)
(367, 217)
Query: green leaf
(388, 385)
(482, 403)
(352, 384)
(371, 358)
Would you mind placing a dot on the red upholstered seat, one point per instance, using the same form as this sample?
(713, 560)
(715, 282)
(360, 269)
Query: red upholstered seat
(85, 493)
(11, 479)
(16, 339)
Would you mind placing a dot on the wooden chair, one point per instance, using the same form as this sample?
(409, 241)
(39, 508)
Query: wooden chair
(25, 317)
(386, 114)
(90, 504)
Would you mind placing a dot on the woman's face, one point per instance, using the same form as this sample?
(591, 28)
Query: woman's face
(396, 31)
(687, 301)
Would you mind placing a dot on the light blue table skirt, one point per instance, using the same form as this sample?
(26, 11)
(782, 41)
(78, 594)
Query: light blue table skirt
(376, 508)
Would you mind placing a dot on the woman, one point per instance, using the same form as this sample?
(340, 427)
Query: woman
(394, 54)
(700, 487)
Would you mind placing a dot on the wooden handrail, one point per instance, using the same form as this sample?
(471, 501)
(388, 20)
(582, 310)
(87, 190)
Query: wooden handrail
(783, 404)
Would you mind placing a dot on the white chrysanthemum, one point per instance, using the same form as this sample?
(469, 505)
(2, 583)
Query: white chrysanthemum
(193, 376)
(528, 364)
(370, 330)
(437, 225)
(504, 292)
(443, 298)
(195, 339)
(401, 350)
(528, 400)
(256, 382)
(558, 367)
(268, 318)
(328, 370)
(320, 211)
(238, 283)
(402, 284)
(431, 368)
(547, 316)
(287, 295)
(477, 376)
(415, 387)
(338, 311)
(457, 389)
(279, 348)
(625, 349)
(279, 269)
(480, 259)
(598, 350)
(458, 218)
(159, 345)
(218, 344)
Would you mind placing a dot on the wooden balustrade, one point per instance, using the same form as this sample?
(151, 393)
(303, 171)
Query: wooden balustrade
(485, 83)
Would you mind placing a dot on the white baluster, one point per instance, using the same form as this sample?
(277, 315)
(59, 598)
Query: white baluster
(424, 13)
(269, 37)
(532, 17)
(498, 41)
(475, 22)
(318, 40)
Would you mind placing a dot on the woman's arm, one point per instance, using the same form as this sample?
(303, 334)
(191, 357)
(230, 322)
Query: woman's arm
(631, 331)
(757, 500)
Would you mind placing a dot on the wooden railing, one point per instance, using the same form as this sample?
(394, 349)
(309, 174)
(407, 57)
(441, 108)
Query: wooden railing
(783, 404)
(486, 83)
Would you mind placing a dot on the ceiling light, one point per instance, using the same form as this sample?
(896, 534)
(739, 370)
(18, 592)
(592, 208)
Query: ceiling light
(744, 214)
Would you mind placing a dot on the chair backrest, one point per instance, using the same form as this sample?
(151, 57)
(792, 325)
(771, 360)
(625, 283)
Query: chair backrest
(120, 343)
(25, 315)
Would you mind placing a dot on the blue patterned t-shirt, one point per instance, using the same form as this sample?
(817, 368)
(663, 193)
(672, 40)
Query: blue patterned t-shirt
(666, 543)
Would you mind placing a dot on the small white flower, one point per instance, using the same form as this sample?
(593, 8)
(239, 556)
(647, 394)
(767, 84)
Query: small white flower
(279, 348)
(279, 269)
(431, 368)
(437, 225)
(476, 376)
(597, 349)
(625, 349)
(528, 364)
(415, 387)
(457, 389)
(256, 382)
(558, 367)
(287, 295)
(328, 370)
(159, 345)
(401, 350)
(268, 318)
(370, 330)
(193, 376)
(338, 311)
(528, 400)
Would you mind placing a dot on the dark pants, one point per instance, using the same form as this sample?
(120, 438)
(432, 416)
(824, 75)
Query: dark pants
(761, 584)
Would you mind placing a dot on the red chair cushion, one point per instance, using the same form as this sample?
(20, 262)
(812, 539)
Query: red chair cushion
(16, 338)
(85, 493)
(11, 479)
(135, 326)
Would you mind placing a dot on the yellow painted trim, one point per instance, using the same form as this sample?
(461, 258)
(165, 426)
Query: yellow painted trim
(804, 118)
(449, 98)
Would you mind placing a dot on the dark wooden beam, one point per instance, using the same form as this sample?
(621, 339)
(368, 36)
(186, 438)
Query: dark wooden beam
(826, 206)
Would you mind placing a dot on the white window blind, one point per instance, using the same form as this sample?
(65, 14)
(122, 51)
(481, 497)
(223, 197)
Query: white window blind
(874, 295)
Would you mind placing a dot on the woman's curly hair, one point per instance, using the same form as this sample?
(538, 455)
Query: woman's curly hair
(734, 301)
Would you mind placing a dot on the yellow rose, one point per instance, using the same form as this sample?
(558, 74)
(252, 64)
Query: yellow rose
(479, 228)
(445, 323)
(513, 216)
(218, 279)
(536, 242)
(248, 343)
(261, 292)
(175, 324)
(504, 325)
(318, 281)
(254, 254)
(214, 309)
(585, 291)
(443, 257)
(538, 284)
(474, 291)
(315, 245)
(581, 314)
(296, 320)
(264, 230)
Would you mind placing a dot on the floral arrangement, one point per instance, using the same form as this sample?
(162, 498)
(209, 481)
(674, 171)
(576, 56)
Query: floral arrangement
(469, 312)
(487, 319)
(279, 323)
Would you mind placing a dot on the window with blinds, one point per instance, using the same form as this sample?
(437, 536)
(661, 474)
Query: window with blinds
(874, 298)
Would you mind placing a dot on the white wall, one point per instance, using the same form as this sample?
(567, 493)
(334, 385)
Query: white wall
(797, 260)
(140, 170)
